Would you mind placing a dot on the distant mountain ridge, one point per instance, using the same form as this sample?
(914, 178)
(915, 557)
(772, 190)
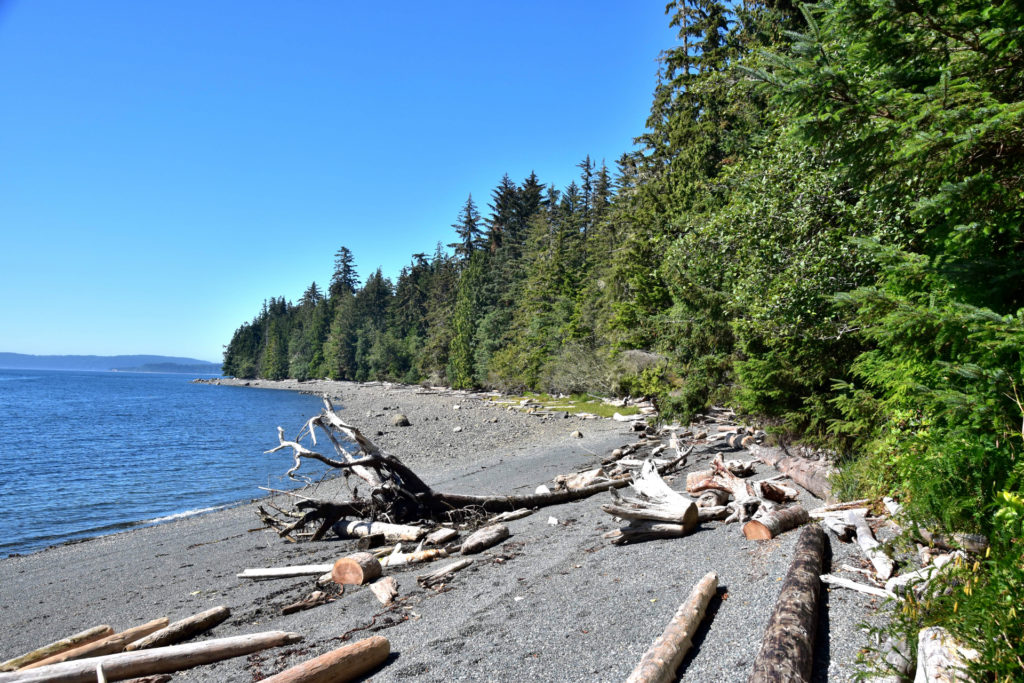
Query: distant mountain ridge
(131, 363)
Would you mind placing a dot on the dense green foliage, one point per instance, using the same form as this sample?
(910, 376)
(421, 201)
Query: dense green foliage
(823, 225)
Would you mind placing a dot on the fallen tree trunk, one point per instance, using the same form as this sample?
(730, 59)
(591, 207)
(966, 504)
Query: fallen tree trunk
(117, 667)
(940, 658)
(344, 664)
(397, 494)
(85, 637)
(105, 646)
(775, 523)
(662, 659)
(787, 649)
(183, 629)
(809, 474)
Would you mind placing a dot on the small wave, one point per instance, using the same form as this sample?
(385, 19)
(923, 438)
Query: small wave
(183, 515)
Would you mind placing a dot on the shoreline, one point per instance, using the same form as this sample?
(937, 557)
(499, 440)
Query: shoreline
(555, 602)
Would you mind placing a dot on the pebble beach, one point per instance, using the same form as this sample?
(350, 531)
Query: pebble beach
(555, 602)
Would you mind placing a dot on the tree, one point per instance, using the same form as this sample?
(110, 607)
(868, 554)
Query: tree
(344, 279)
(467, 228)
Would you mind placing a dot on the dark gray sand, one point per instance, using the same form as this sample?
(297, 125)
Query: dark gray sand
(556, 602)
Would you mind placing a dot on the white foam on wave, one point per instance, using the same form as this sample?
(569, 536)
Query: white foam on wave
(186, 513)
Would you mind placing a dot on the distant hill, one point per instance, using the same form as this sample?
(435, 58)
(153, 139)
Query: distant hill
(142, 363)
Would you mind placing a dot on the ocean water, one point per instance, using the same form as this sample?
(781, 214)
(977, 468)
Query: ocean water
(89, 453)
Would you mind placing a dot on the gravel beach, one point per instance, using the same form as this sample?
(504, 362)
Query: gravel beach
(556, 602)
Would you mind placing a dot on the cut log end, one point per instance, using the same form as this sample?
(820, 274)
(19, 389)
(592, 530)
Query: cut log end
(356, 569)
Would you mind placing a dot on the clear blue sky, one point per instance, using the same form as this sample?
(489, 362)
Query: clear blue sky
(167, 166)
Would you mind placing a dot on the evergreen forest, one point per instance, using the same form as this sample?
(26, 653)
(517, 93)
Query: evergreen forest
(822, 226)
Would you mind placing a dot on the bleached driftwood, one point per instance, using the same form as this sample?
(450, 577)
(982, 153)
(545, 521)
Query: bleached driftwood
(510, 516)
(314, 599)
(918, 580)
(182, 629)
(385, 589)
(337, 666)
(442, 574)
(484, 538)
(284, 572)
(158, 660)
(833, 580)
(400, 559)
(656, 512)
(869, 546)
(662, 659)
(940, 658)
(393, 533)
(104, 646)
(90, 635)
(787, 649)
(843, 531)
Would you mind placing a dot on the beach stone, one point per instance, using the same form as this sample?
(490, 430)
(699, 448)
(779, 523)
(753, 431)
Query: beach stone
(400, 420)
(457, 430)
(577, 434)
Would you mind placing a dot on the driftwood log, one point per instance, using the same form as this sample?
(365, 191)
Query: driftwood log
(774, 523)
(482, 539)
(656, 511)
(662, 659)
(314, 599)
(882, 563)
(104, 646)
(396, 493)
(809, 474)
(787, 649)
(61, 646)
(117, 667)
(285, 572)
(356, 569)
(442, 575)
(385, 589)
(940, 658)
(183, 629)
(337, 666)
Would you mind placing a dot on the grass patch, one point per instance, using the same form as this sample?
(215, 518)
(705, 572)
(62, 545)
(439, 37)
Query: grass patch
(577, 403)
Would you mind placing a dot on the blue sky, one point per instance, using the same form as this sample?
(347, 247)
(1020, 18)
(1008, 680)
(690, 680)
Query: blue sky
(167, 166)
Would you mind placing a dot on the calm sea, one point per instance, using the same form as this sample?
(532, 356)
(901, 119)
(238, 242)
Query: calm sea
(90, 453)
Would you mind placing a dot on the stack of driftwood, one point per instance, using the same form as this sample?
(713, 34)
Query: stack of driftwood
(403, 522)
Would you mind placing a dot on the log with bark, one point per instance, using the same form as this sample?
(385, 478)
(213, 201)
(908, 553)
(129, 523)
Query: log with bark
(787, 649)
(337, 666)
(809, 474)
(90, 635)
(117, 667)
(662, 659)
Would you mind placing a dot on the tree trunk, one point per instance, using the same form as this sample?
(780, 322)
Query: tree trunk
(104, 646)
(775, 523)
(344, 664)
(659, 663)
(118, 667)
(183, 629)
(787, 650)
(356, 569)
(940, 659)
(59, 647)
